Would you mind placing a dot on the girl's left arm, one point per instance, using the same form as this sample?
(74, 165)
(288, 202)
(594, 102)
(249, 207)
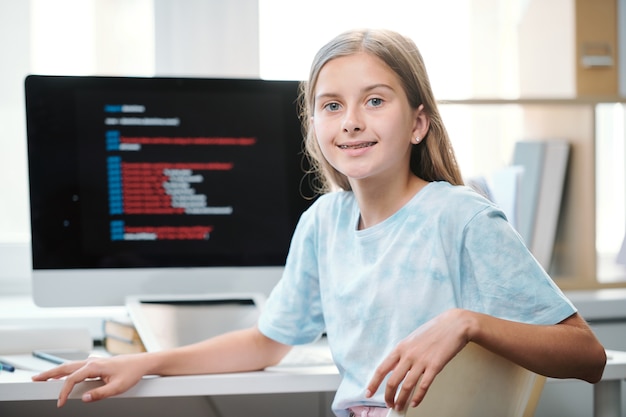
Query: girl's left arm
(568, 349)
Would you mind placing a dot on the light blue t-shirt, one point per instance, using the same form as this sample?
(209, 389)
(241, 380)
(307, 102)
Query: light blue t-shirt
(368, 289)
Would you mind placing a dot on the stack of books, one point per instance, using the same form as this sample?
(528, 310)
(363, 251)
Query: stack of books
(120, 336)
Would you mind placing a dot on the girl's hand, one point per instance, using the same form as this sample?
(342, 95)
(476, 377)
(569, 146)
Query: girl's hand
(417, 359)
(118, 373)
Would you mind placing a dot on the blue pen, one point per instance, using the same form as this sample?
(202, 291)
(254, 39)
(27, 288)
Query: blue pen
(6, 367)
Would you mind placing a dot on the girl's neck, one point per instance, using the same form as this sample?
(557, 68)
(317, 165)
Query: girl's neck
(377, 202)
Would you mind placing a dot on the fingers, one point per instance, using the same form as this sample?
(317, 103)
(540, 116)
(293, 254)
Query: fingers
(68, 370)
(65, 392)
(402, 382)
(408, 388)
(395, 383)
(102, 392)
(410, 377)
(414, 391)
(58, 371)
(84, 372)
(116, 373)
(417, 359)
(99, 393)
(380, 373)
(76, 372)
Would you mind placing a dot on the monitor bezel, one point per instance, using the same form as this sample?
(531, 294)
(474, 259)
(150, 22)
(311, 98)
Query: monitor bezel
(91, 285)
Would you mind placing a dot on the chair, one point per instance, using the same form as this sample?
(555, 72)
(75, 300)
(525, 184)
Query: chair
(479, 383)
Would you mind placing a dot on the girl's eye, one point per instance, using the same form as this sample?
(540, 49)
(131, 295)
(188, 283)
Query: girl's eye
(332, 106)
(375, 102)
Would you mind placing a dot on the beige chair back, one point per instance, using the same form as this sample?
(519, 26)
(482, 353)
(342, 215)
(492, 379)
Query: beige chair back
(479, 383)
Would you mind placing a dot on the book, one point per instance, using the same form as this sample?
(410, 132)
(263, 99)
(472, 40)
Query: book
(121, 336)
(117, 346)
(544, 169)
(123, 329)
(529, 156)
(549, 201)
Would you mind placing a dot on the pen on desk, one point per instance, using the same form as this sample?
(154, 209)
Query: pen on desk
(6, 367)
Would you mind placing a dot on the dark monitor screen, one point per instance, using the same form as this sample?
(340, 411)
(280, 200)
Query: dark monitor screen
(133, 173)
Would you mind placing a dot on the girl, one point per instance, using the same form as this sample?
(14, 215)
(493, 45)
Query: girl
(398, 262)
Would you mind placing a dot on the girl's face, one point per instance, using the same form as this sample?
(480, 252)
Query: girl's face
(362, 119)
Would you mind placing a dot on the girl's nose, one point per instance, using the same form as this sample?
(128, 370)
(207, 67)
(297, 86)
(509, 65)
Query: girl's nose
(352, 122)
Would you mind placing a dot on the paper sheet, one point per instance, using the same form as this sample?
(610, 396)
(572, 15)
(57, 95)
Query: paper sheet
(27, 362)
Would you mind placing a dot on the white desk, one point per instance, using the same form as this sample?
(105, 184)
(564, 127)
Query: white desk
(607, 394)
(18, 386)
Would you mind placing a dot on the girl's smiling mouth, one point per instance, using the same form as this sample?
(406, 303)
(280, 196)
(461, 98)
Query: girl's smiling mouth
(357, 145)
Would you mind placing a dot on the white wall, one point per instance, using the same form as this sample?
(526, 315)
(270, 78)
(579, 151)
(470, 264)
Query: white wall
(14, 217)
(14, 65)
(203, 38)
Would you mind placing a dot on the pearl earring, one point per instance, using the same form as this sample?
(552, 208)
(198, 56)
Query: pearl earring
(417, 140)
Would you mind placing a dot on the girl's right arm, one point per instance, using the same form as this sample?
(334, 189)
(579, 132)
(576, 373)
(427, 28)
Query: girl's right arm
(242, 350)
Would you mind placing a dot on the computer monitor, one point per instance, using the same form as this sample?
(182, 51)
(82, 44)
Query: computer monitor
(160, 185)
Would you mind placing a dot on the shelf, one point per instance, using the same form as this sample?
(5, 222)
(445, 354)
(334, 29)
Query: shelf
(488, 138)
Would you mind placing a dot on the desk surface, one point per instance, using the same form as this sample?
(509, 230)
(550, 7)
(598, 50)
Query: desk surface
(615, 366)
(17, 386)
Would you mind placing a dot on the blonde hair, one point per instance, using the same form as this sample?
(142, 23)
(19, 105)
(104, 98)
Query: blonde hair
(433, 158)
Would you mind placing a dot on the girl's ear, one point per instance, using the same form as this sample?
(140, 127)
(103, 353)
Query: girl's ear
(422, 124)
